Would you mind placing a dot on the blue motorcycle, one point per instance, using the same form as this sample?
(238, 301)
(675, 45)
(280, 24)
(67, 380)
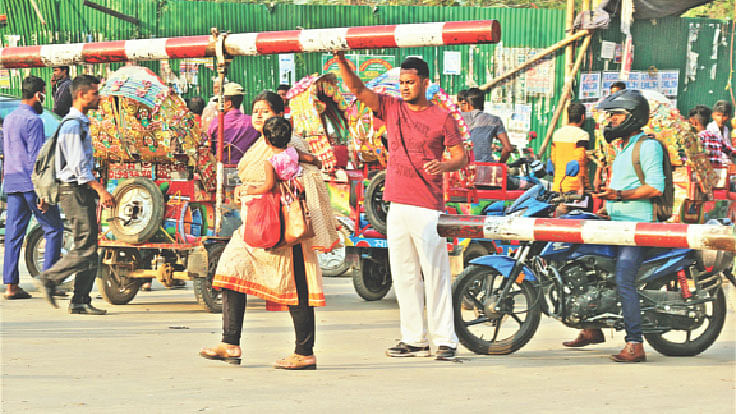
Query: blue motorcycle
(498, 299)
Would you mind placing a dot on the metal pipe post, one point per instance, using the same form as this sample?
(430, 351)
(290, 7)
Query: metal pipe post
(220, 172)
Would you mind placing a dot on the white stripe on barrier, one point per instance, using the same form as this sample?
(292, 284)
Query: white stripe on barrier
(415, 35)
(146, 49)
(242, 44)
(319, 40)
(609, 232)
(519, 227)
(61, 55)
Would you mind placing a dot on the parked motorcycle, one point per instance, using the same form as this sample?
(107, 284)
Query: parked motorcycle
(498, 299)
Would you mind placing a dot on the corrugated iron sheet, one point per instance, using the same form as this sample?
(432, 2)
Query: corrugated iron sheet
(660, 44)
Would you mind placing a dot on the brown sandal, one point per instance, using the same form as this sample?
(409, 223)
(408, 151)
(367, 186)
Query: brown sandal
(297, 362)
(222, 352)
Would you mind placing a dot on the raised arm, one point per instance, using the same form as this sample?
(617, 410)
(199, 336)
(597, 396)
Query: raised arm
(356, 86)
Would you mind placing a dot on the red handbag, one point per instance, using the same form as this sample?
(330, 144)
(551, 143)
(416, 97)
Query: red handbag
(262, 223)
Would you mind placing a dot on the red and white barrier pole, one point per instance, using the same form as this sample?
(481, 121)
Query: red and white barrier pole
(621, 233)
(250, 44)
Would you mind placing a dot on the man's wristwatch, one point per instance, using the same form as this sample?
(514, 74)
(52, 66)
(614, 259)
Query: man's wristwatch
(619, 195)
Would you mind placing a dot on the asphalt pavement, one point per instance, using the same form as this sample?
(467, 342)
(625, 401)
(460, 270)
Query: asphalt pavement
(142, 358)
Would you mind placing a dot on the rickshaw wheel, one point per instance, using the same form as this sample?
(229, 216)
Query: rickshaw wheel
(116, 289)
(138, 211)
(208, 297)
(376, 208)
(373, 280)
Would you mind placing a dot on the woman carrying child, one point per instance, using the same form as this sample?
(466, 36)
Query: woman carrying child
(285, 276)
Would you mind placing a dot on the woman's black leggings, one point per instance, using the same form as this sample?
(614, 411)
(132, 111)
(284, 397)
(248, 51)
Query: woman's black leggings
(233, 311)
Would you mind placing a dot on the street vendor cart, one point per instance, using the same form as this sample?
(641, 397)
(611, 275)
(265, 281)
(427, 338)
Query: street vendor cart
(161, 174)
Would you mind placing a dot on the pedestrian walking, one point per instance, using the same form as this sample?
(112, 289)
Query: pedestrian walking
(78, 198)
(61, 90)
(418, 133)
(23, 137)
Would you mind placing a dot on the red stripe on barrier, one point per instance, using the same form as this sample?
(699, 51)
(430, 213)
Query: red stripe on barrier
(187, 47)
(286, 41)
(368, 37)
(479, 31)
(652, 234)
(104, 52)
(558, 230)
(21, 57)
(461, 226)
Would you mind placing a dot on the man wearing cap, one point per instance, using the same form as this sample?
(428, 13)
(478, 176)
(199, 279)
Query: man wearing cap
(239, 132)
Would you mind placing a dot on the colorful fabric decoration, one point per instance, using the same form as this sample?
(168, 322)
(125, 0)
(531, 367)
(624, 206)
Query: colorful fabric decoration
(314, 101)
(140, 119)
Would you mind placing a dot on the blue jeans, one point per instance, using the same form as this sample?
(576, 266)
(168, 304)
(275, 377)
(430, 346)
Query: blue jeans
(20, 207)
(628, 262)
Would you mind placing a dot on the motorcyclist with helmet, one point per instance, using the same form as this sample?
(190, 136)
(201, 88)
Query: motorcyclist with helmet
(628, 199)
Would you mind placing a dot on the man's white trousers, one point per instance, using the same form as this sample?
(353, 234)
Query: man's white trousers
(415, 249)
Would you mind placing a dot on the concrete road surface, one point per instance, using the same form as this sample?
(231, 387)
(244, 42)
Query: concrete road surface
(142, 358)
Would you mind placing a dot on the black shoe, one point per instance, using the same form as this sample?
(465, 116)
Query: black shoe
(85, 309)
(445, 353)
(49, 290)
(403, 350)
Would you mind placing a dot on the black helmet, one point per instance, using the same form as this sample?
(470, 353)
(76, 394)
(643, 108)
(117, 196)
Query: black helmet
(637, 113)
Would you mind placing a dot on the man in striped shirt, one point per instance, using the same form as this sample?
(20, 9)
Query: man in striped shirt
(719, 150)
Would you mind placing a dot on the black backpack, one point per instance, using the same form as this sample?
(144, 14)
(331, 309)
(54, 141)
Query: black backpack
(662, 204)
(44, 170)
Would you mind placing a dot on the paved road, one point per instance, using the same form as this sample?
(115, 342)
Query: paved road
(142, 358)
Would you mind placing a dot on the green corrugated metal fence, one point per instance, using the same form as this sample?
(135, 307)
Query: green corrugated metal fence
(660, 44)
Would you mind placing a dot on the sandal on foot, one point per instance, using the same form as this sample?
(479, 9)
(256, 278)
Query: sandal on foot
(297, 362)
(222, 353)
(19, 294)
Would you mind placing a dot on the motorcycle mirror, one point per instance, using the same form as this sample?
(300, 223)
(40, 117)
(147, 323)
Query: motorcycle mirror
(572, 169)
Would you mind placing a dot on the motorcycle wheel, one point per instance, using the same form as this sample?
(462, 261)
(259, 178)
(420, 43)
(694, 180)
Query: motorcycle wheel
(115, 289)
(36, 247)
(681, 342)
(376, 208)
(373, 280)
(483, 330)
(209, 298)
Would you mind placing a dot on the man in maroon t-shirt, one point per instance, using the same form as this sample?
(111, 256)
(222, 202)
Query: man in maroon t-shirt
(418, 132)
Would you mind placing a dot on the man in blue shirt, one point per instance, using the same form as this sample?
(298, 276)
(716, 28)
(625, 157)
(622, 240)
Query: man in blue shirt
(484, 128)
(629, 200)
(24, 136)
(78, 198)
